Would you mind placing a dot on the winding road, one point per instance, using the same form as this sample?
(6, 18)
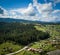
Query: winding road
(18, 51)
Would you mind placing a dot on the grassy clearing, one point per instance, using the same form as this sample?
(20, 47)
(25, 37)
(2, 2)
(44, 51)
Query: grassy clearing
(40, 28)
(9, 47)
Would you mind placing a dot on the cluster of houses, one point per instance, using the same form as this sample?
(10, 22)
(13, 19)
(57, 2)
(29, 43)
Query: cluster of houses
(35, 50)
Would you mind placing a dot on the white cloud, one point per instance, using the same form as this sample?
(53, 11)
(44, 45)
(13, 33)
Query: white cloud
(25, 11)
(56, 11)
(35, 11)
(44, 8)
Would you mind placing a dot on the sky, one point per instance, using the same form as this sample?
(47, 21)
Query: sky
(34, 10)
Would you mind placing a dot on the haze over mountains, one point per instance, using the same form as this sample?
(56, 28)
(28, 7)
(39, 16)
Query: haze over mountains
(9, 20)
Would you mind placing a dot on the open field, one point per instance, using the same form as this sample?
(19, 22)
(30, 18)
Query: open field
(9, 47)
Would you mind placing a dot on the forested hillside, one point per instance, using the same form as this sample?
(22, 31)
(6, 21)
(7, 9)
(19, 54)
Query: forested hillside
(20, 33)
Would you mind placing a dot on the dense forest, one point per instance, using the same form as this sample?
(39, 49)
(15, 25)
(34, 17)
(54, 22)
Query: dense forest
(20, 33)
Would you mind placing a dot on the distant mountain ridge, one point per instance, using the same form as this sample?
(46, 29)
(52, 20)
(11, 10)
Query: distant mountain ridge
(25, 21)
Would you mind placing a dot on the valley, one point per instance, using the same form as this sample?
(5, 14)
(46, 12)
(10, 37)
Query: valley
(15, 36)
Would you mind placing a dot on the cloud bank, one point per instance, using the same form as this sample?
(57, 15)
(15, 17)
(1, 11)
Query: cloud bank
(35, 12)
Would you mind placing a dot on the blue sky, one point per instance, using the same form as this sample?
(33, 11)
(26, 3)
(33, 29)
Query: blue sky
(10, 4)
(42, 10)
